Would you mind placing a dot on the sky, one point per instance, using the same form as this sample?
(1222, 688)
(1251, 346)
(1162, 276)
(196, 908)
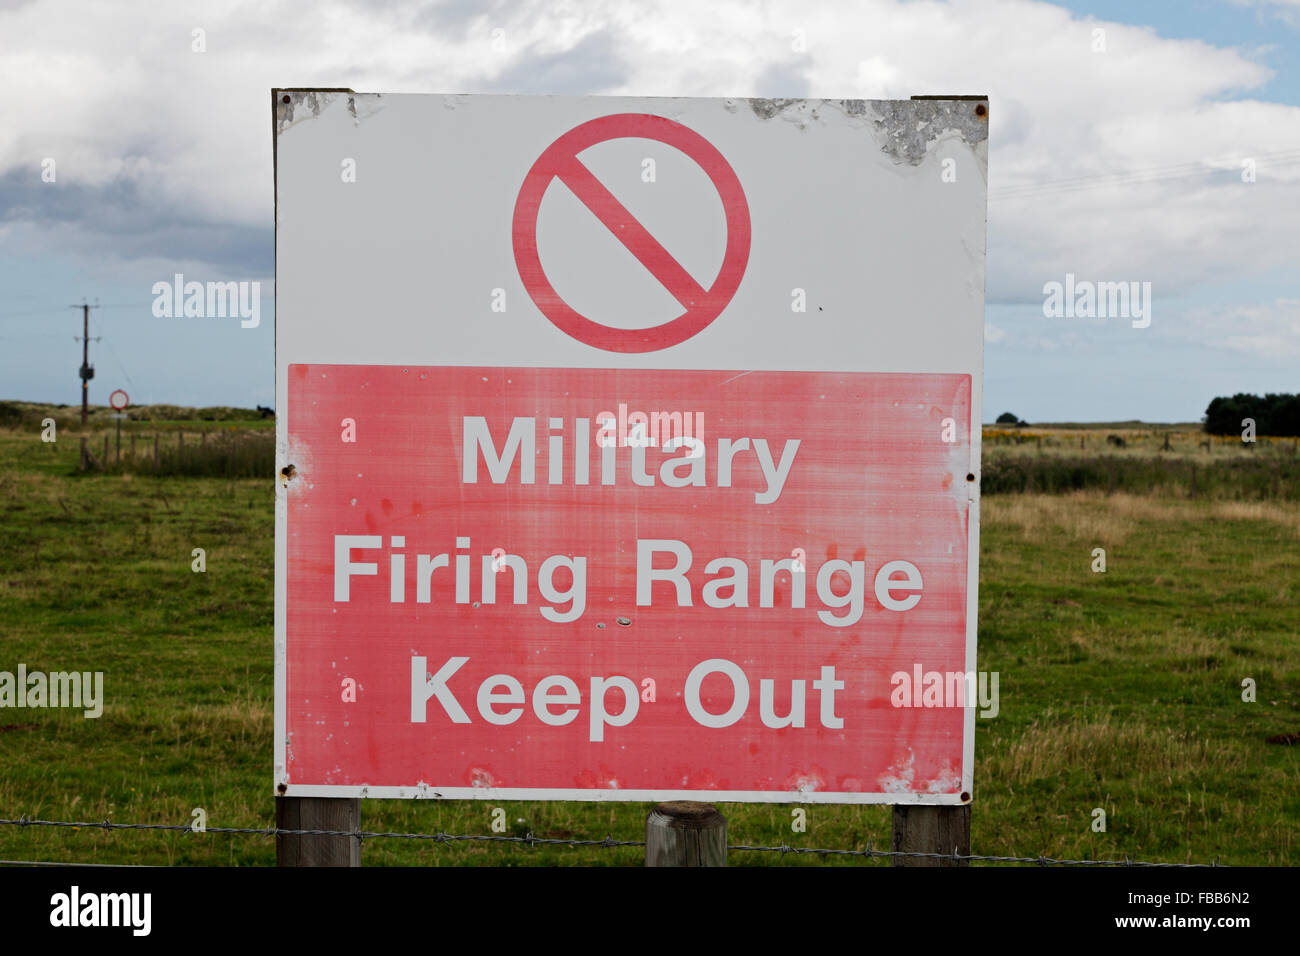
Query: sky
(1121, 136)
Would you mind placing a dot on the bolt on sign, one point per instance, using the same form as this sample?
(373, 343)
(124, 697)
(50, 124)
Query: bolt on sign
(631, 447)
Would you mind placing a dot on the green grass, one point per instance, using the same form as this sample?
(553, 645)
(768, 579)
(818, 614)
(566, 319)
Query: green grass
(1254, 477)
(27, 415)
(1118, 690)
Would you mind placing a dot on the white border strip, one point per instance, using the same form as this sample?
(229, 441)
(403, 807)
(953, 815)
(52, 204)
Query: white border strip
(425, 792)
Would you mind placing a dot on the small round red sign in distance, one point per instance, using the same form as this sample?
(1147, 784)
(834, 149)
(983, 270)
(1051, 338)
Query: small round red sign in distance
(560, 161)
(119, 399)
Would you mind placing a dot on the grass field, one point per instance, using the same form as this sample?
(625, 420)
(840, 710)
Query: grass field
(1119, 690)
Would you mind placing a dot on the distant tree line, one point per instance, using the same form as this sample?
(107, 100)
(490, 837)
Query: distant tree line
(1273, 414)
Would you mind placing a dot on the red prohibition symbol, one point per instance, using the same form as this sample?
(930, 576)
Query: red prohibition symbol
(560, 161)
(119, 403)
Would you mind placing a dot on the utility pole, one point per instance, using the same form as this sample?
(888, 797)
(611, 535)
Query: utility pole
(87, 370)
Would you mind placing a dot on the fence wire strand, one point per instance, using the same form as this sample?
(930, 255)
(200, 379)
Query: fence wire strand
(607, 843)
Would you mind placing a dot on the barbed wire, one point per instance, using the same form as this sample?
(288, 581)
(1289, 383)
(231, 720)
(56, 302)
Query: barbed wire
(106, 866)
(531, 840)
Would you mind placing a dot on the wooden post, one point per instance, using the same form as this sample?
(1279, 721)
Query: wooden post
(317, 813)
(157, 461)
(685, 833)
(920, 829)
(1193, 479)
(133, 446)
(85, 454)
(106, 451)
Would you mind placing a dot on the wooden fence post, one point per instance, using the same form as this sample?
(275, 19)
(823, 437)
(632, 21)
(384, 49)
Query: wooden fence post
(317, 813)
(156, 458)
(685, 833)
(85, 454)
(106, 451)
(921, 829)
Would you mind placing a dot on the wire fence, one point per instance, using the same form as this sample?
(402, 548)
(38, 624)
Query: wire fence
(868, 852)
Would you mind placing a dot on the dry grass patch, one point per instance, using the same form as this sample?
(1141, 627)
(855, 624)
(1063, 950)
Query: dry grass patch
(1052, 747)
(1110, 519)
(1282, 512)
(1086, 516)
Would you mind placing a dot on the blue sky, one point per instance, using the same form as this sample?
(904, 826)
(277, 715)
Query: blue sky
(1116, 165)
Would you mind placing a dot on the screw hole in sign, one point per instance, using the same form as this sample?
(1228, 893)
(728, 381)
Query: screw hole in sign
(560, 161)
(119, 400)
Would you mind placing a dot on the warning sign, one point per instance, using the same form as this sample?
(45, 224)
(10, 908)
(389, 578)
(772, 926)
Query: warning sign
(665, 486)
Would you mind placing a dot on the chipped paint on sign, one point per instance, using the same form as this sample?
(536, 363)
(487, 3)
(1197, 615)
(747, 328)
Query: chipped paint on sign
(905, 129)
(910, 127)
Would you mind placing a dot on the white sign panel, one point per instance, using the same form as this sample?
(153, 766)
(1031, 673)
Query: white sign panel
(629, 448)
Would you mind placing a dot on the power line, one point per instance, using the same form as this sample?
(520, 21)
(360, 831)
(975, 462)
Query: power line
(58, 310)
(1233, 162)
(35, 335)
(112, 351)
(1174, 171)
(23, 315)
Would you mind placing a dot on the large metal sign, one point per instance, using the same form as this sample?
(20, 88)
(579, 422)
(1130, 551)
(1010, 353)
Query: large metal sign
(629, 447)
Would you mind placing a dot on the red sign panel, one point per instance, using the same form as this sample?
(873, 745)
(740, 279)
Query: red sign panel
(595, 583)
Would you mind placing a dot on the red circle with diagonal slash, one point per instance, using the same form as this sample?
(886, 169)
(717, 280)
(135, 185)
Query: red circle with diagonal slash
(560, 161)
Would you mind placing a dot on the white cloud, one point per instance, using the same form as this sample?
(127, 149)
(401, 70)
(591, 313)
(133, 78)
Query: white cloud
(1286, 10)
(1267, 330)
(117, 97)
